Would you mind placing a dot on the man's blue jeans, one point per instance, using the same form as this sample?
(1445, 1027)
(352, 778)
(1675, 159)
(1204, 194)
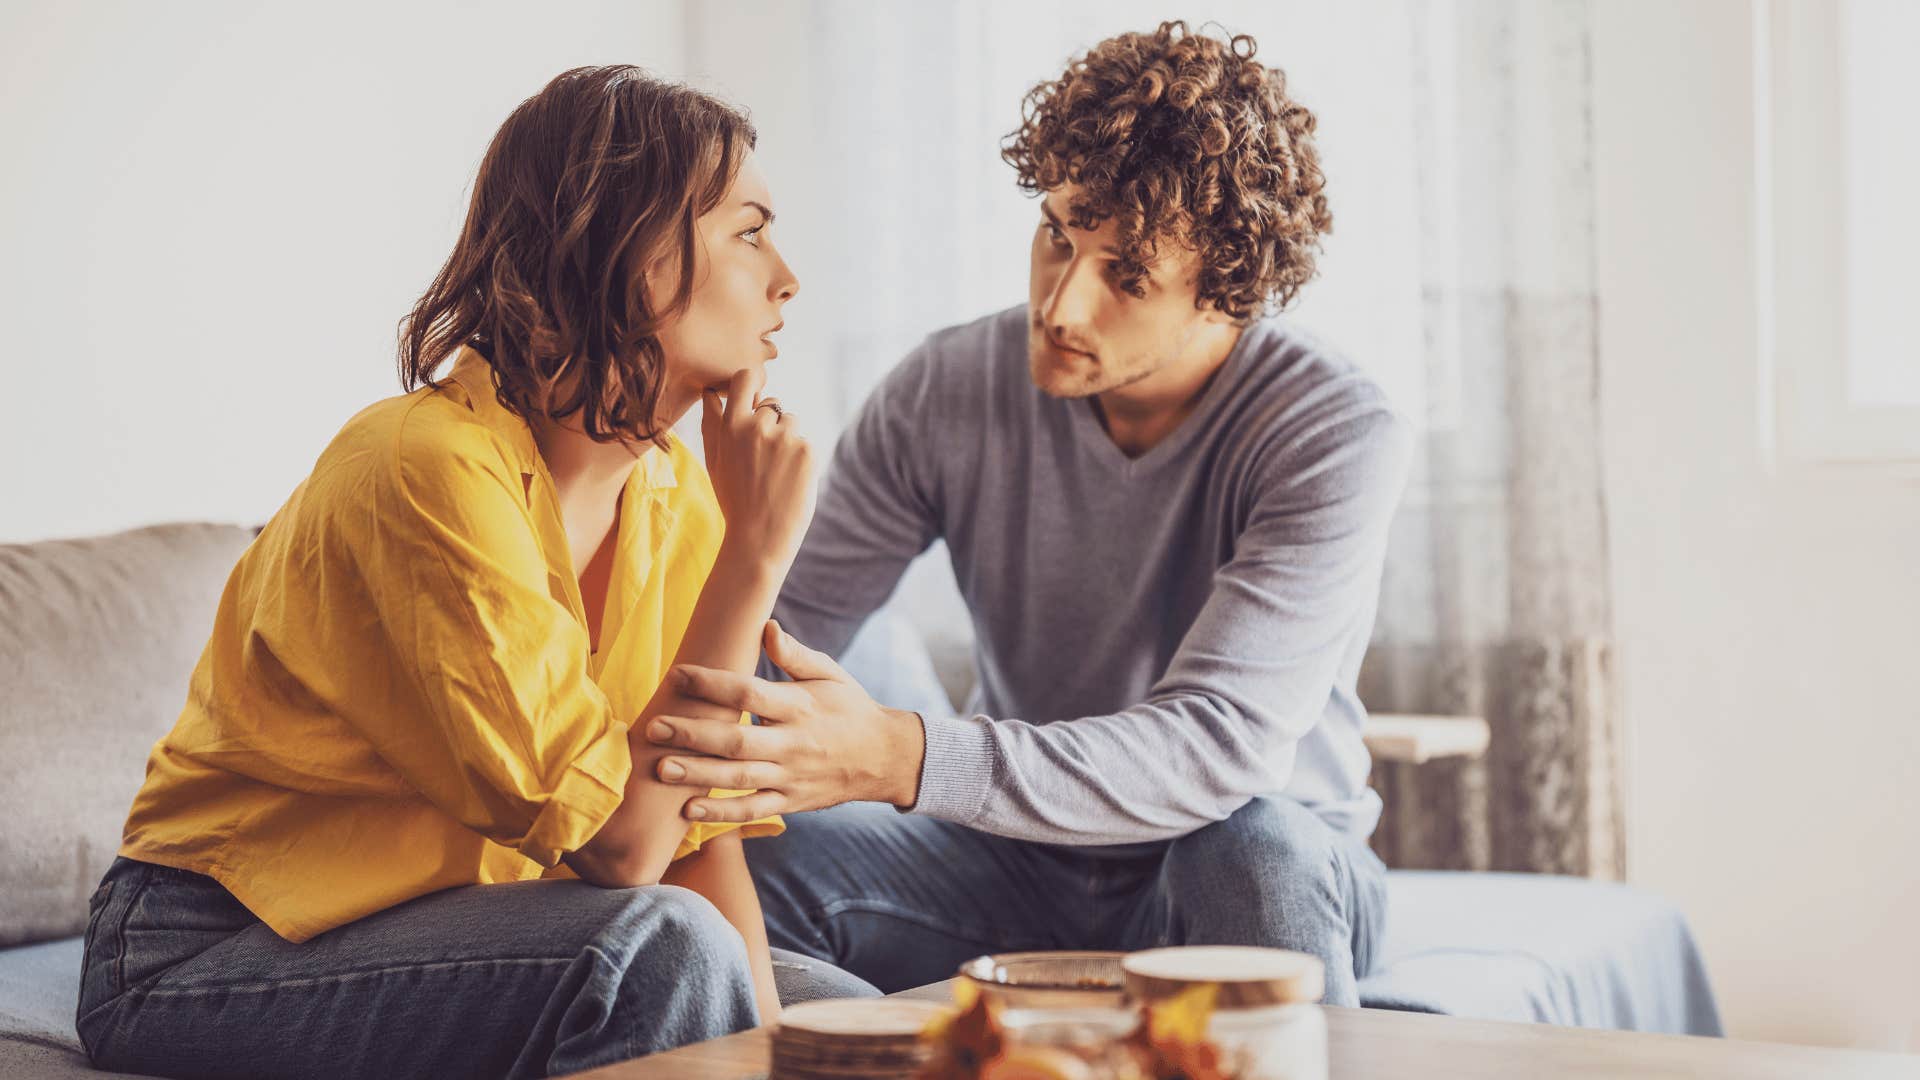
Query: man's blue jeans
(901, 900)
(528, 979)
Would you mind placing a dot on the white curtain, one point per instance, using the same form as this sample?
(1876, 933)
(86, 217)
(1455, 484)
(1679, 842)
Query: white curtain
(1455, 138)
(1496, 597)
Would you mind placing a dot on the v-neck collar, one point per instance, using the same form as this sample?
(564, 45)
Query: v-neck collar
(1086, 423)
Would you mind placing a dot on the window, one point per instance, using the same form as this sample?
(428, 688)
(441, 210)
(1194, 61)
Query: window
(1840, 226)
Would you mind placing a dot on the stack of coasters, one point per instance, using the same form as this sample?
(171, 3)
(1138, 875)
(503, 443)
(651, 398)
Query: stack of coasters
(852, 1039)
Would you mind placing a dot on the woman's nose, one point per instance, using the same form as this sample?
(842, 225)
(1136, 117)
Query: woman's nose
(785, 284)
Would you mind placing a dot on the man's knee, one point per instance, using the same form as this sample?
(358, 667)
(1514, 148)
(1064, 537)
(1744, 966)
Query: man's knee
(1272, 843)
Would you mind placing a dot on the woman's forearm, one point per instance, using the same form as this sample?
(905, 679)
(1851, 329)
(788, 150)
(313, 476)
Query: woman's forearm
(718, 871)
(637, 842)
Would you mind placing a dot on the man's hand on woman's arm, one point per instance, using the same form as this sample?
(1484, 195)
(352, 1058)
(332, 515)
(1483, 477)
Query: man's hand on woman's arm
(827, 741)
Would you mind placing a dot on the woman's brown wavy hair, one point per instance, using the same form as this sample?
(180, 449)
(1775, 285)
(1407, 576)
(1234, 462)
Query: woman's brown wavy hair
(1185, 137)
(600, 172)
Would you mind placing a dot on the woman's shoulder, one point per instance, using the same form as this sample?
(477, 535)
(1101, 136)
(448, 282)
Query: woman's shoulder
(426, 448)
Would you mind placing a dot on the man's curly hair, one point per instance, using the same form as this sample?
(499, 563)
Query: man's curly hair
(1185, 137)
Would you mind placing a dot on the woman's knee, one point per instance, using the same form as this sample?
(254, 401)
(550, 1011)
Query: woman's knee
(680, 975)
(685, 934)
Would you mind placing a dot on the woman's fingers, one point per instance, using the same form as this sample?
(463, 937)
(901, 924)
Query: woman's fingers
(739, 808)
(742, 391)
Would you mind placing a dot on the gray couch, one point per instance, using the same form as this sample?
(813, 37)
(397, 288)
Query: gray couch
(98, 636)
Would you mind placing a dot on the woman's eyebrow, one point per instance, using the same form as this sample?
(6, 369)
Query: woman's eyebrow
(765, 212)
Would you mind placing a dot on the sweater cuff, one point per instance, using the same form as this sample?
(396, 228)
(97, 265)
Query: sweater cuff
(957, 771)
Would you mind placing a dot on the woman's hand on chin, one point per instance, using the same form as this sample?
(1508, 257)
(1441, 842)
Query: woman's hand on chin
(761, 469)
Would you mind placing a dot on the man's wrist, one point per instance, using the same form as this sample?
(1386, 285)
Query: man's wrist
(906, 752)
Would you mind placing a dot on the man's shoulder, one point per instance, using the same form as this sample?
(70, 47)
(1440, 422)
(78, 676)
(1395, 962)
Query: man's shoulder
(959, 377)
(973, 356)
(992, 333)
(1298, 391)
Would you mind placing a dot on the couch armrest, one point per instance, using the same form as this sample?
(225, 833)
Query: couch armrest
(1408, 739)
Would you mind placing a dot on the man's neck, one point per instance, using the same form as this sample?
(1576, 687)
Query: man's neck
(1140, 415)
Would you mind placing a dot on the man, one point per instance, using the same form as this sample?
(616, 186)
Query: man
(1167, 515)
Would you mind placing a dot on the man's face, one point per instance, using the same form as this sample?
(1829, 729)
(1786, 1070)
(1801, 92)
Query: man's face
(1085, 334)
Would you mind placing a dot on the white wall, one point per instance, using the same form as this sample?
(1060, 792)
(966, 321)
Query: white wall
(1768, 613)
(212, 216)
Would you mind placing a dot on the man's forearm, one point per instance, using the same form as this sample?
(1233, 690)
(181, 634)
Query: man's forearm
(1151, 772)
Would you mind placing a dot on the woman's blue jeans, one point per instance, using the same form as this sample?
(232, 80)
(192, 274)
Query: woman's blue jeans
(529, 979)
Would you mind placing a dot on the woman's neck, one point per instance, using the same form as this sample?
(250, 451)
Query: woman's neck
(586, 472)
(583, 470)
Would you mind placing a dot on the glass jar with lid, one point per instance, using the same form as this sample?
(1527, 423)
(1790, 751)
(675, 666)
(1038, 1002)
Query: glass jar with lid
(1266, 1015)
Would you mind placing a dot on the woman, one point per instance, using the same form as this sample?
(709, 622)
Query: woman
(414, 712)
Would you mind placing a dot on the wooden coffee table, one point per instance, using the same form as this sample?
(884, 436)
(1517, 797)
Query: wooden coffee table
(1373, 1044)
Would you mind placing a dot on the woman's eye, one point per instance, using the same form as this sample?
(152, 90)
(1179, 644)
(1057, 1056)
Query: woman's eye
(752, 236)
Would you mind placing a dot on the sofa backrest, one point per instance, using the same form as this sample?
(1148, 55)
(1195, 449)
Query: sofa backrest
(98, 637)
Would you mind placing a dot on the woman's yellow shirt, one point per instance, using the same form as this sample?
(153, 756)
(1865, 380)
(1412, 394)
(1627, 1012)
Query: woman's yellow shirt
(399, 695)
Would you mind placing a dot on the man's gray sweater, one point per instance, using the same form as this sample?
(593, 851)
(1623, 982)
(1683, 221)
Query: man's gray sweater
(1159, 639)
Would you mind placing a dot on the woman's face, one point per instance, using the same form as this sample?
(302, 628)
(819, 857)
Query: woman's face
(740, 283)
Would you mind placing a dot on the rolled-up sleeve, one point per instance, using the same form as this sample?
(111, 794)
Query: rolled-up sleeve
(487, 708)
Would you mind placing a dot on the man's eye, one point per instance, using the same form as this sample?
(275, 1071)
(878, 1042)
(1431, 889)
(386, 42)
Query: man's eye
(1055, 235)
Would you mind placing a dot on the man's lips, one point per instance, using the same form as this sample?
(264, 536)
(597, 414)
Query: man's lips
(1057, 346)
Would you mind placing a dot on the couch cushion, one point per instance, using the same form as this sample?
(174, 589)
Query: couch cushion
(98, 638)
(1542, 948)
(39, 986)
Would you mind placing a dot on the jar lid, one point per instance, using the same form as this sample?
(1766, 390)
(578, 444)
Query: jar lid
(1248, 977)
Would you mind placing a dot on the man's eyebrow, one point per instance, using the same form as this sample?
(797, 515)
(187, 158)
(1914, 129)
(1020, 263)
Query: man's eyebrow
(765, 212)
(1048, 212)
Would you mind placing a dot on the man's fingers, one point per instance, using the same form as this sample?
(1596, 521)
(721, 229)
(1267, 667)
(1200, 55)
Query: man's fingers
(732, 690)
(715, 738)
(706, 772)
(796, 659)
(739, 808)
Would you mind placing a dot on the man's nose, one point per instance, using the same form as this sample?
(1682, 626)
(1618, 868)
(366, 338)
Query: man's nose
(1073, 299)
